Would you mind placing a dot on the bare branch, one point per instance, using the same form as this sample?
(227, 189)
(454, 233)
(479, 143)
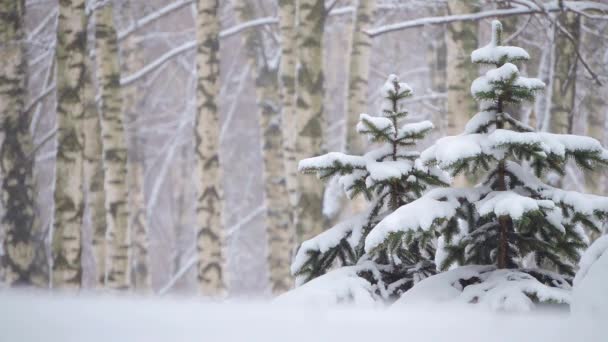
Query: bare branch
(498, 13)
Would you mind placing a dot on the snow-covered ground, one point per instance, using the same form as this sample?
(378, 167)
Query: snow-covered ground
(85, 318)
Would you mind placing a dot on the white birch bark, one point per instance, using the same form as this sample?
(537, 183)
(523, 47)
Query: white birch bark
(278, 222)
(287, 79)
(114, 149)
(564, 77)
(358, 74)
(208, 174)
(69, 201)
(138, 221)
(461, 40)
(23, 262)
(94, 177)
(309, 114)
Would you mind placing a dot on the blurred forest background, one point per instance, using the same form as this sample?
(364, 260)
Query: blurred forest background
(144, 52)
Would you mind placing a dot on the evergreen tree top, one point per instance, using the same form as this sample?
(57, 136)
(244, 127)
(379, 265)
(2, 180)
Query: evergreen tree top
(389, 175)
(511, 216)
(497, 54)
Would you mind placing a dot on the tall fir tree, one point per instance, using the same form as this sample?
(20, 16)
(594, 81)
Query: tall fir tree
(511, 220)
(389, 176)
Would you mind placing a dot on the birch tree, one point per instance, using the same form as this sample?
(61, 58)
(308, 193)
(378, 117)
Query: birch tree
(68, 195)
(309, 118)
(208, 174)
(93, 174)
(287, 78)
(114, 148)
(278, 227)
(461, 39)
(23, 260)
(138, 221)
(564, 73)
(361, 44)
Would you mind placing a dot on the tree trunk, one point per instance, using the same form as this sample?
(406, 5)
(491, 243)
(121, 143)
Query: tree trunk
(23, 261)
(67, 224)
(358, 74)
(309, 118)
(287, 78)
(93, 174)
(592, 105)
(564, 78)
(209, 197)
(114, 149)
(138, 221)
(278, 222)
(437, 59)
(461, 40)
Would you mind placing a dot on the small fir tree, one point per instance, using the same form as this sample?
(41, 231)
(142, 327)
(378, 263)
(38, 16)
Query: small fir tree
(511, 220)
(389, 176)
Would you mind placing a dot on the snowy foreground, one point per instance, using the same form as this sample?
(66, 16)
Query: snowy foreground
(27, 317)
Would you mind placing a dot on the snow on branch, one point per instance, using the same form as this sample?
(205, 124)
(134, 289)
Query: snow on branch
(158, 62)
(248, 24)
(574, 6)
(153, 17)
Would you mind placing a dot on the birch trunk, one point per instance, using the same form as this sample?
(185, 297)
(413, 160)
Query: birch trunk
(437, 59)
(209, 197)
(138, 222)
(23, 262)
(93, 174)
(595, 117)
(461, 40)
(309, 118)
(114, 149)
(67, 224)
(287, 78)
(564, 77)
(278, 227)
(358, 74)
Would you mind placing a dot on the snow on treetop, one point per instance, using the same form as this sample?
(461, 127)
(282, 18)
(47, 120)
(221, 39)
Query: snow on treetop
(413, 129)
(381, 171)
(393, 86)
(330, 160)
(494, 53)
(370, 124)
(494, 77)
(503, 73)
(448, 150)
(510, 203)
(490, 54)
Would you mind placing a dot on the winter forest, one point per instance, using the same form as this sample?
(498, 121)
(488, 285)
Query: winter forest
(176, 168)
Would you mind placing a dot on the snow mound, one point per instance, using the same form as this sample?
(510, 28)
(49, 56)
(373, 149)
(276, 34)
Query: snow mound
(339, 286)
(590, 295)
(490, 288)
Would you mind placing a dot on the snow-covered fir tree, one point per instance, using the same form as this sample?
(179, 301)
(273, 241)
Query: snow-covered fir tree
(525, 234)
(389, 176)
